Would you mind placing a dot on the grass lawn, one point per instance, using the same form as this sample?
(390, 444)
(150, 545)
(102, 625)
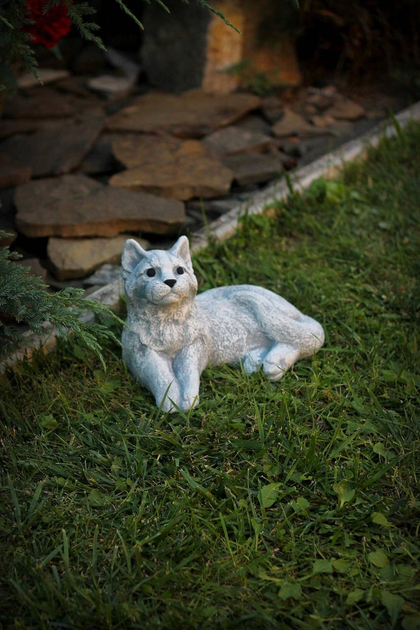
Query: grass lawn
(289, 505)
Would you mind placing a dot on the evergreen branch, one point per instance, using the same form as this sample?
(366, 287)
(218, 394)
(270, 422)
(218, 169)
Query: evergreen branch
(127, 11)
(162, 4)
(76, 13)
(23, 299)
(3, 19)
(204, 3)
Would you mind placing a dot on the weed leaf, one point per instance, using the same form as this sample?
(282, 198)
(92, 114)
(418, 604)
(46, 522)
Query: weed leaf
(379, 559)
(290, 591)
(268, 494)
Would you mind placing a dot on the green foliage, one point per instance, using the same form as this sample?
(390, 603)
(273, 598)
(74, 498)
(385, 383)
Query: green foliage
(14, 43)
(23, 300)
(253, 80)
(276, 506)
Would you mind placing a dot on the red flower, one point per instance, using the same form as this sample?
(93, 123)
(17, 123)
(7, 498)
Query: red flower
(48, 28)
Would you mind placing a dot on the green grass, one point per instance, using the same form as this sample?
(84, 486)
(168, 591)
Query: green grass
(293, 505)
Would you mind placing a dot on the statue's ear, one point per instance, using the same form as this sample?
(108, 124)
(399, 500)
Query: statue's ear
(182, 249)
(132, 254)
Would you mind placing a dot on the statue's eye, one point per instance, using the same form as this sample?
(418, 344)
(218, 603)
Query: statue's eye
(180, 270)
(151, 272)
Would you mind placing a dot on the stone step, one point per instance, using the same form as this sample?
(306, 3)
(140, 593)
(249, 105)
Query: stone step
(169, 167)
(76, 206)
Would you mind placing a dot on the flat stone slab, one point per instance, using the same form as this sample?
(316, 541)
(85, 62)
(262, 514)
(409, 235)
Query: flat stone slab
(75, 85)
(54, 151)
(40, 102)
(76, 206)
(12, 173)
(10, 127)
(111, 85)
(166, 166)
(189, 115)
(321, 100)
(322, 120)
(253, 168)
(234, 140)
(79, 257)
(254, 122)
(345, 109)
(292, 123)
(47, 75)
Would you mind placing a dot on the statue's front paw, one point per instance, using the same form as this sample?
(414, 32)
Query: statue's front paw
(168, 407)
(169, 404)
(189, 402)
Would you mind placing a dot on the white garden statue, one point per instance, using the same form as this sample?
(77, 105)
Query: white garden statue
(172, 333)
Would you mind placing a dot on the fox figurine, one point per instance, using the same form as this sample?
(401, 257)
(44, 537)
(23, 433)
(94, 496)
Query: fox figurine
(172, 333)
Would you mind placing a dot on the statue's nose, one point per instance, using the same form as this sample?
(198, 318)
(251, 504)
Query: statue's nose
(170, 283)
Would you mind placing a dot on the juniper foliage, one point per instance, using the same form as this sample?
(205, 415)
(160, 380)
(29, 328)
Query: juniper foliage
(23, 300)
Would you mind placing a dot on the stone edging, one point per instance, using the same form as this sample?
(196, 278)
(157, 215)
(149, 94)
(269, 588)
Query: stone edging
(225, 226)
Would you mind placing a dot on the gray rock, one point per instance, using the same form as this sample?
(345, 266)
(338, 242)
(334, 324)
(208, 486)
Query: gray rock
(345, 109)
(112, 85)
(77, 258)
(308, 110)
(105, 275)
(52, 152)
(254, 122)
(247, 192)
(174, 45)
(91, 289)
(125, 64)
(342, 129)
(233, 140)
(76, 206)
(219, 206)
(287, 160)
(223, 205)
(292, 123)
(322, 120)
(292, 147)
(166, 166)
(312, 148)
(190, 115)
(320, 100)
(46, 75)
(74, 85)
(253, 168)
(116, 85)
(203, 216)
